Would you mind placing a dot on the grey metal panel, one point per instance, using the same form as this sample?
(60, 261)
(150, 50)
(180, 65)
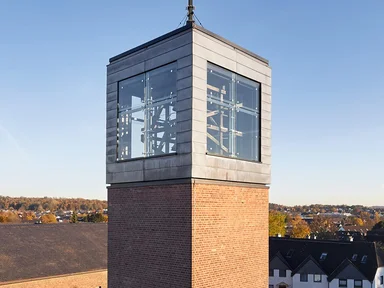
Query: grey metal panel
(111, 132)
(199, 62)
(266, 133)
(112, 141)
(231, 44)
(199, 126)
(167, 161)
(199, 137)
(184, 148)
(133, 176)
(213, 57)
(183, 137)
(252, 74)
(221, 162)
(266, 124)
(167, 173)
(110, 159)
(184, 115)
(111, 150)
(200, 73)
(266, 150)
(135, 165)
(200, 105)
(183, 126)
(150, 52)
(213, 44)
(200, 93)
(112, 114)
(112, 96)
(111, 88)
(126, 73)
(200, 83)
(266, 106)
(198, 147)
(184, 72)
(182, 105)
(266, 159)
(265, 141)
(111, 123)
(184, 93)
(266, 93)
(245, 176)
(252, 63)
(112, 105)
(183, 62)
(184, 83)
(168, 57)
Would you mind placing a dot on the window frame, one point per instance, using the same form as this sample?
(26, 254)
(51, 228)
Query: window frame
(174, 99)
(342, 285)
(236, 75)
(354, 284)
(282, 274)
(304, 279)
(314, 280)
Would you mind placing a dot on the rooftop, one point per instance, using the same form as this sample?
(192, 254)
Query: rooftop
(188, 26)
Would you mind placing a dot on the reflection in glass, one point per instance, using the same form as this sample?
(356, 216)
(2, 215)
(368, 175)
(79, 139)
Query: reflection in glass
(147, 117)
(233, 115)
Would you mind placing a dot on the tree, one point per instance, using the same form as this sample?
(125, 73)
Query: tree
(74, 217)
(276, 223)
(378, 225)
(48, 218)
(300, 228)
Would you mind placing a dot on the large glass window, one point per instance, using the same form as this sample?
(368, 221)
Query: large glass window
(233, 116)
(146, 114)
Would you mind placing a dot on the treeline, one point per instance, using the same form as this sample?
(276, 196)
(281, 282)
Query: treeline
(320, 208)
(320, 226)
(53, 204)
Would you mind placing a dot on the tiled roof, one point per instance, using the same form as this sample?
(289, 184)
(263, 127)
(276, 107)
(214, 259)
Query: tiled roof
(337, 253)
(33, 251)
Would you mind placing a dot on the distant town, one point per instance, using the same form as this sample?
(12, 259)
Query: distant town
(51, 210)
(329, 222)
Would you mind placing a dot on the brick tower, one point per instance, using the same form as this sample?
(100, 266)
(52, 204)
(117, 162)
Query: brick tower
(188, 163)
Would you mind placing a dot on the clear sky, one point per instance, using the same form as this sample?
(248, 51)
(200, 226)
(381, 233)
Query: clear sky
(328, 90)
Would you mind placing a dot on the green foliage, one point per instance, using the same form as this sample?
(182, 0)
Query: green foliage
(74, 217)
(276, 223)
(378, 225)
(52, 204)
(95, 218)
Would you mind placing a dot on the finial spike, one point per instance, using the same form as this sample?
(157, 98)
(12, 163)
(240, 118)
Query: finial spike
(191, 9)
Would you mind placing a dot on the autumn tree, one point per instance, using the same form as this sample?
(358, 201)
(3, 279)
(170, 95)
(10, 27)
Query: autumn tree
(74, 217)
(300, 228)
(323, 227)
(276, 223)
(48, 218)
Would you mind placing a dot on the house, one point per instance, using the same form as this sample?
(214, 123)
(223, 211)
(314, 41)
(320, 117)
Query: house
(325, 264)
(53, 255)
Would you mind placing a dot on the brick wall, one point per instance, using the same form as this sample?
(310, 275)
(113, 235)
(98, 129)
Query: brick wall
(230, 236)
(149, 236)
(188, 235)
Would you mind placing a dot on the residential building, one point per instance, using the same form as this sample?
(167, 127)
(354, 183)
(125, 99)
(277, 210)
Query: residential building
(300, 263)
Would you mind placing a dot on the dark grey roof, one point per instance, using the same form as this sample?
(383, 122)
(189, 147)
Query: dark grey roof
(32, 251)
(337, 253)
(187, 27)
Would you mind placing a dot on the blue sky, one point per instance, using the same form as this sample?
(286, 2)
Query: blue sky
(328, 90)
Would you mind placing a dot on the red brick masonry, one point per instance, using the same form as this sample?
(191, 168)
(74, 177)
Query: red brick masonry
(189, 233)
